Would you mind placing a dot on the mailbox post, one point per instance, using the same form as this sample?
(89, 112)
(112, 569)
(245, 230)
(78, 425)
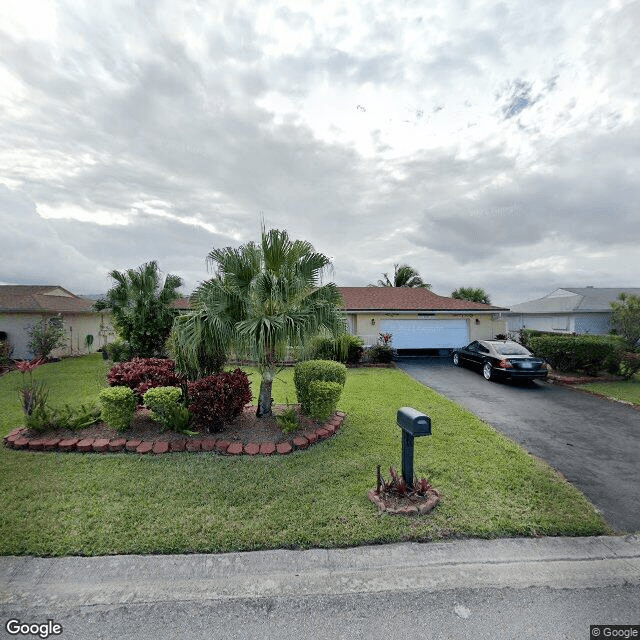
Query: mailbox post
(413, 424)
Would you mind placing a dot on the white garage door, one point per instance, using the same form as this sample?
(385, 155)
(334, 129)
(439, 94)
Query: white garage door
(426, 333)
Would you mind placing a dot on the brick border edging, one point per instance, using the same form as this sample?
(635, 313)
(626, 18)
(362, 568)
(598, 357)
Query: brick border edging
(17, 440)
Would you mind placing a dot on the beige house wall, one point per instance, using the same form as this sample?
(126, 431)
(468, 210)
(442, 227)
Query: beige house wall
(77, 326)
(481, 326)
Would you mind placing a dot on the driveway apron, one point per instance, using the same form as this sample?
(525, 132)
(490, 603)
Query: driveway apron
(593, 442)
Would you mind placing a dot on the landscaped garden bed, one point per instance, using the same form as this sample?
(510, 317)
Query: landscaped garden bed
(246, 435)
(95, 504)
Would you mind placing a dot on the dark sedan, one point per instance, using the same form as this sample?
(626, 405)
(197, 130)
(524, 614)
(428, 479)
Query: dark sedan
(501, 359)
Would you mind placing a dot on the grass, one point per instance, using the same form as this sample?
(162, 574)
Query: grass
(627, 391)
(91, 504)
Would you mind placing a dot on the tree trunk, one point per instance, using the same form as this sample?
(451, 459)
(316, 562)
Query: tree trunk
(264, 399)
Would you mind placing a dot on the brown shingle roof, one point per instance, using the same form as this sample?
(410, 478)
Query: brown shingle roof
(405, 299)
(41, 298)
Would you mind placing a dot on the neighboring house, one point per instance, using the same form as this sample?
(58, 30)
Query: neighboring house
(21, 306)
(418, 318)
(568, 310)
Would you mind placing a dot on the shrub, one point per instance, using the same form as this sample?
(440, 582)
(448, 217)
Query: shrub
(324, 398)
(217, 399)
(73, 418)
(346, 348)
(119, 351)
(629, 364)
(118, 407)
(305, 372)
(45, 336)
(142, 374)
(577, 352)
(6, 351)
(164, 403)
(380, 353)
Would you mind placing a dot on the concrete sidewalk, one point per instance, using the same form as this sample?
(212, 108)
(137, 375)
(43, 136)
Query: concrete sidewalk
(516, 563)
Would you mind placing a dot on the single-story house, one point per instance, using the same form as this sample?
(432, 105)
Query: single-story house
(21, 306)
(418, 318)
(568, 310)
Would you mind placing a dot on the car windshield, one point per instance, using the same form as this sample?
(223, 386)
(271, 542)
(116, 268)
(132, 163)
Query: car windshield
(511, 350)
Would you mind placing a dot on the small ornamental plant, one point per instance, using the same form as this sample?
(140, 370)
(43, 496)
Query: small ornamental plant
(33, 394)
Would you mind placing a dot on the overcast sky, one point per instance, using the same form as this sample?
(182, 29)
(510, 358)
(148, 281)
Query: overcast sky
(487, 144)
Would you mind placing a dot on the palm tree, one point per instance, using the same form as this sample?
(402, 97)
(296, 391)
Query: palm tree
(471, 294)
(141, 307)
(403, 276)
(264, 300)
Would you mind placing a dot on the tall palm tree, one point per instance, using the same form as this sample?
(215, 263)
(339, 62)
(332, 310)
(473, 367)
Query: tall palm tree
(141, 307)
(264, 299)
(403, 276)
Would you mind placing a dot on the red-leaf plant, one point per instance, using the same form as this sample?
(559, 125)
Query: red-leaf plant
(398, 486)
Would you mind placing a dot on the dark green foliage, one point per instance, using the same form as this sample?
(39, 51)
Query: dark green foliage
(380, 353)
(45, 336)
(118, 407)
(324, 398)
(305, 372)
(218, 399)
(141, 307)
(587, 353)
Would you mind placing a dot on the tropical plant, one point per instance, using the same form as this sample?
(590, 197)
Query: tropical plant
(471, 294)
(166, 407)
(33, 395)
(625, 317)
(403, 276)
(266, 299)
(140, 304)
(45, 336)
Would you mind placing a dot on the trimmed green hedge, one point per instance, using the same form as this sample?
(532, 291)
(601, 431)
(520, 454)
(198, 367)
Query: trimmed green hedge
(118, 407)
(305, 372)
(324, 398)
(587, 353)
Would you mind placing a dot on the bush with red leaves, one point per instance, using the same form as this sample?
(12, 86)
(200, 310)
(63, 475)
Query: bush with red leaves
(142, 374)
(217, 399)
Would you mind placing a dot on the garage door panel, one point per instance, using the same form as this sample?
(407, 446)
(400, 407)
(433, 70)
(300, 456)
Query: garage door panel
(427, 333)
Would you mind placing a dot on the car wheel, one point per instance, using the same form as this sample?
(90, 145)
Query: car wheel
(487, 371)
(456, 359)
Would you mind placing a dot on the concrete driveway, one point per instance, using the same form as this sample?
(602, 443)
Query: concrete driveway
(593, 442)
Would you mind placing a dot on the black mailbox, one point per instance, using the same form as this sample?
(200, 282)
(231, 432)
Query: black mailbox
(414, 422)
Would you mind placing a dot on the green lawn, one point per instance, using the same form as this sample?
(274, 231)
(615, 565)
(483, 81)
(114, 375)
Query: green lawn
(92, 504)
(628, 391)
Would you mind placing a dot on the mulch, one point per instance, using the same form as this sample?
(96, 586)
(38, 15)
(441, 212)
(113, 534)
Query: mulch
(245, 428)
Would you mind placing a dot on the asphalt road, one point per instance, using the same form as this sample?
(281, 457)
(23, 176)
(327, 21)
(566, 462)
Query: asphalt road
(530, 589)
(593, 442)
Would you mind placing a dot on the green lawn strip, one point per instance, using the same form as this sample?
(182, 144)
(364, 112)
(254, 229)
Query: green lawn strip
(628, 390)
(91, 504)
